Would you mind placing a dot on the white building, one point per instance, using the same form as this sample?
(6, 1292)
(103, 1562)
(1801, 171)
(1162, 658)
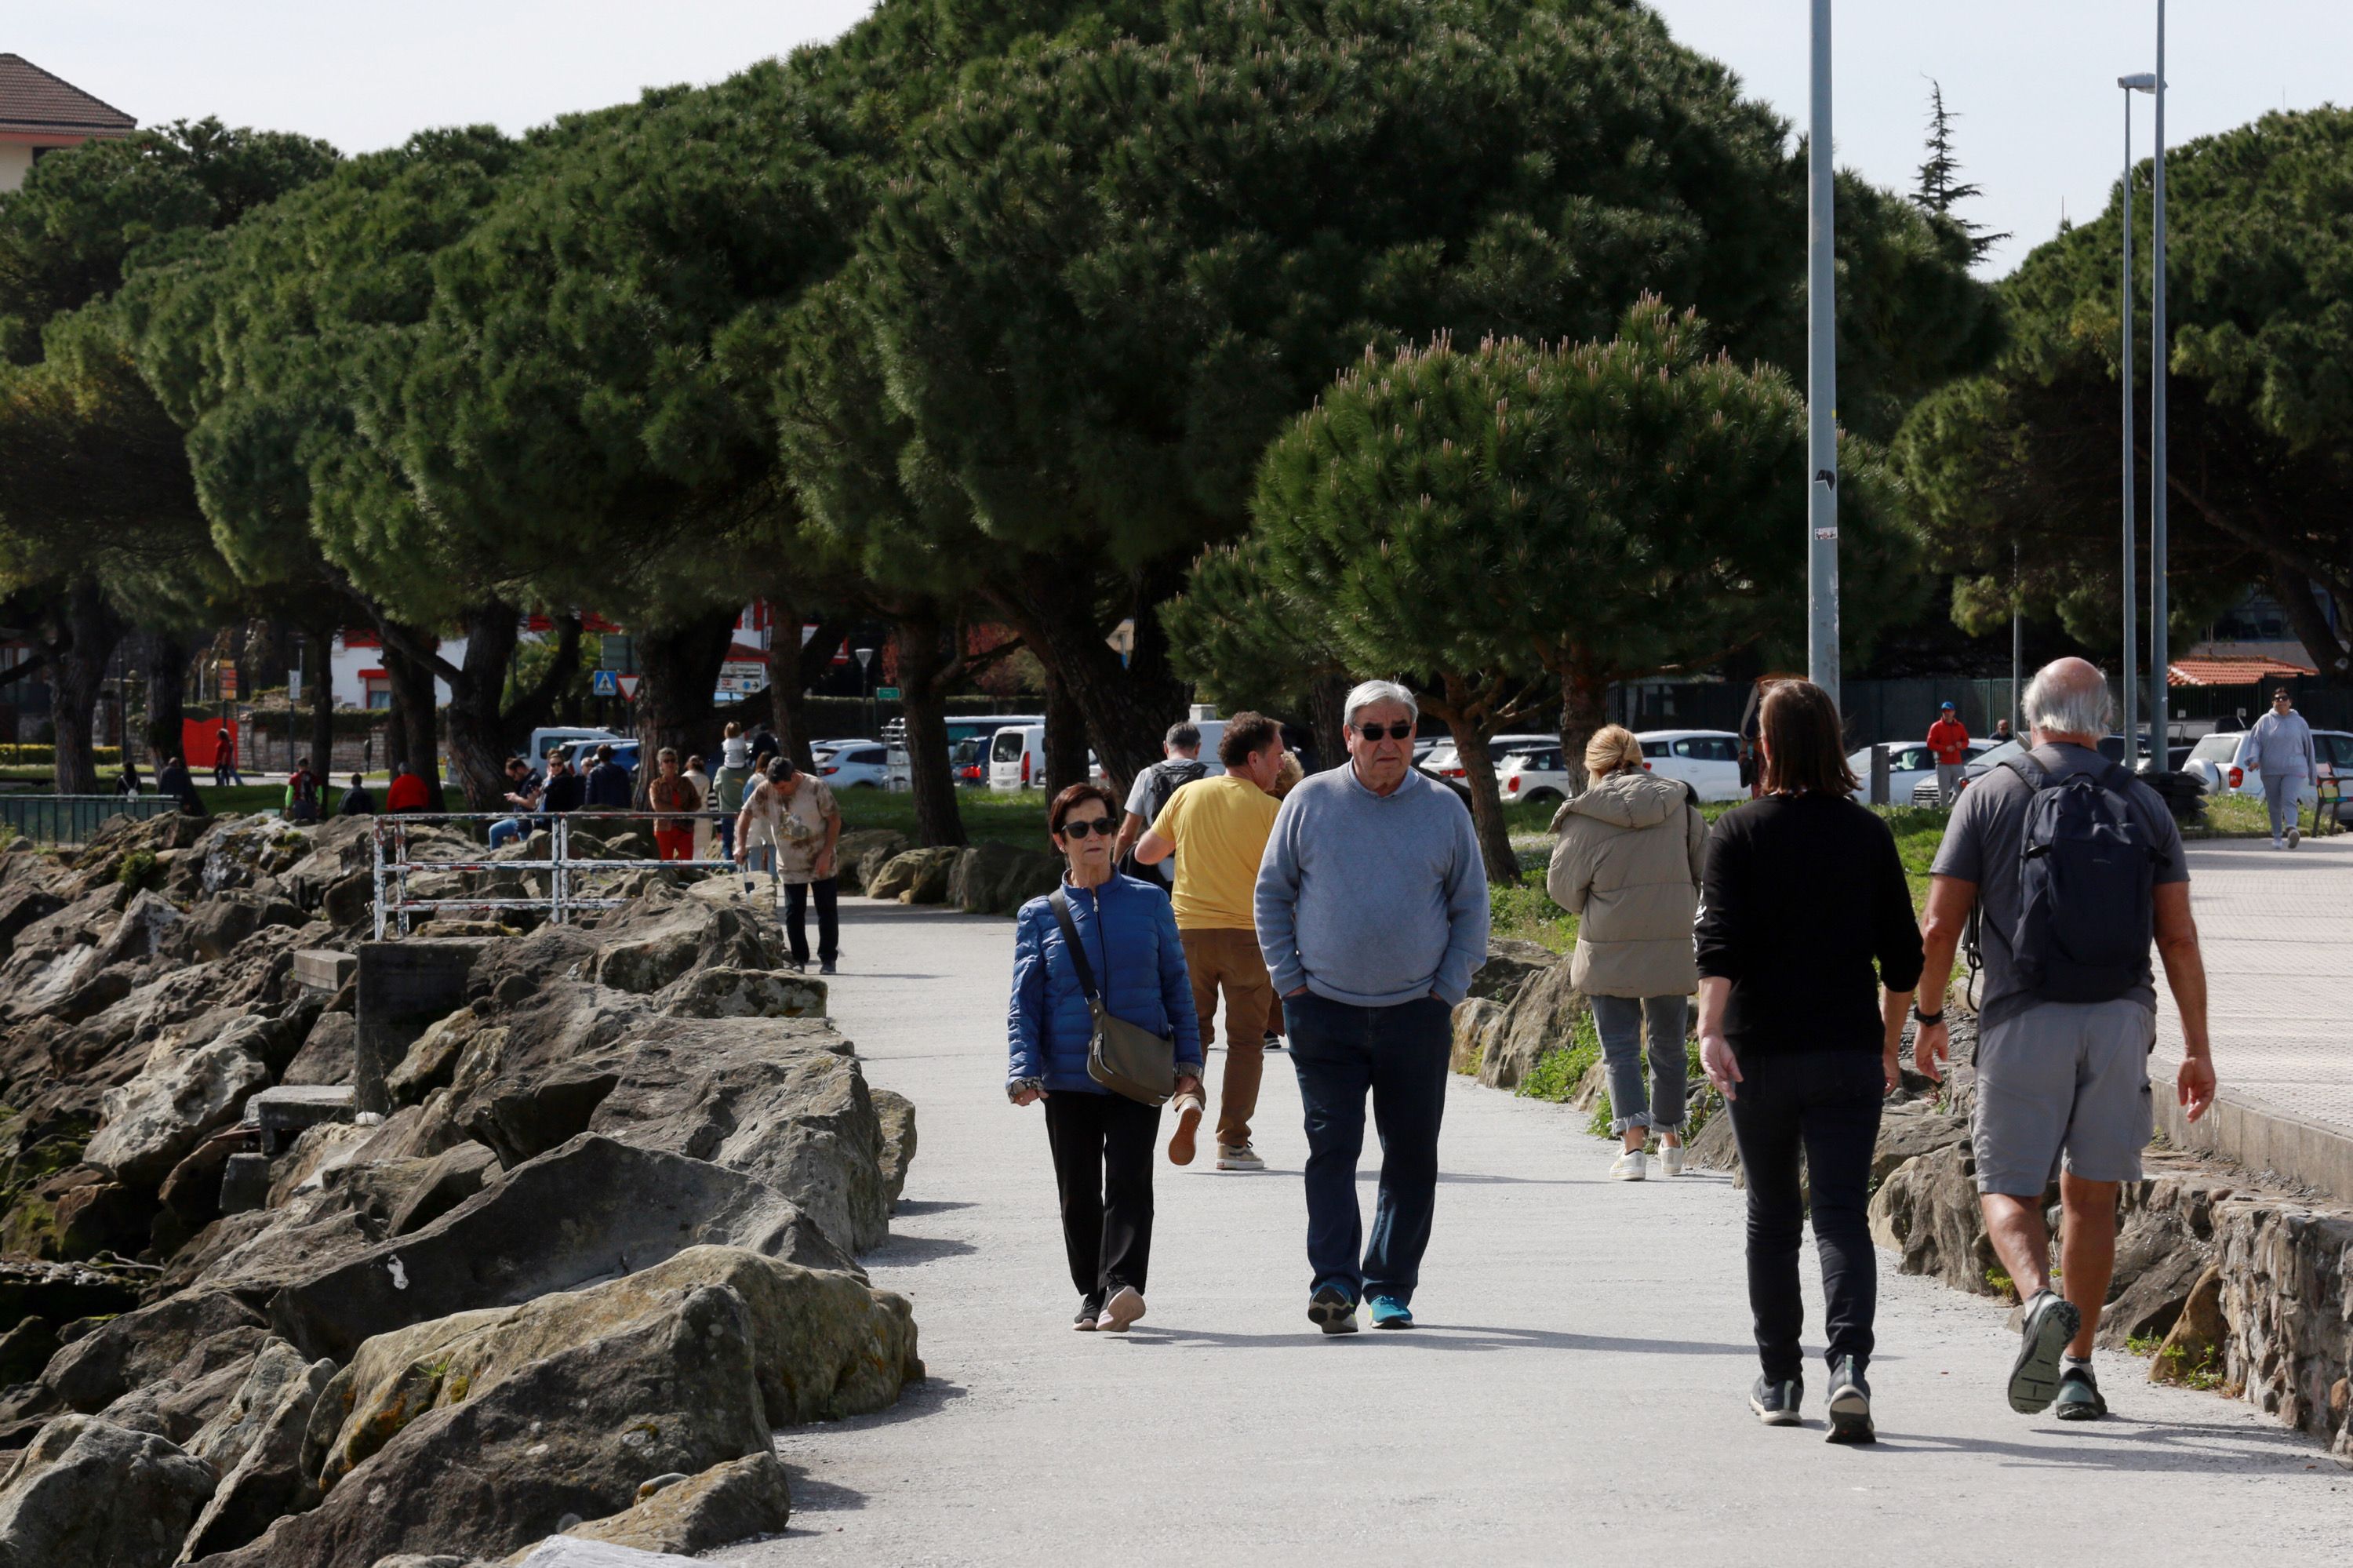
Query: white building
(40, 114)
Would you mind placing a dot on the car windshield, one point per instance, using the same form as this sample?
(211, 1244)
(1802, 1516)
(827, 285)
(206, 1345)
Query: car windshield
(2216, 748)
(1996, 756)
(1006, 747)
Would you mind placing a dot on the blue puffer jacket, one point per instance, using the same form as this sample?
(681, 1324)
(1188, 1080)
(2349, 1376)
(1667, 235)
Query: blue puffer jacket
(1143, 977)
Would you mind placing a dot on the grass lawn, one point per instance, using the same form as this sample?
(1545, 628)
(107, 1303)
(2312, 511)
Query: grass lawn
(1016, 817)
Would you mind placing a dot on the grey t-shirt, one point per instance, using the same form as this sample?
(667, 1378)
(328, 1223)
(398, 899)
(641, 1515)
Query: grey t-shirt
(1982, 844)
(1139, 803)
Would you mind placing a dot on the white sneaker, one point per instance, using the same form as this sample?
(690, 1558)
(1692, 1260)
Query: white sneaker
(1239, 1157)
(1670, 1160)
(2294, 837)
(2275, 843)
(1630, 1166)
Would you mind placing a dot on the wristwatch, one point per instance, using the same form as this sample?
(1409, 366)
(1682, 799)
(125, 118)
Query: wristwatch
(1920, 1017)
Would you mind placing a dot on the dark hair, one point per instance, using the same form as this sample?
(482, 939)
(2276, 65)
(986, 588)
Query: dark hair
(780, 768)
(1245, 733)
(1804, 742)
(1183, 736)
(2279, 692)
(1078, 795)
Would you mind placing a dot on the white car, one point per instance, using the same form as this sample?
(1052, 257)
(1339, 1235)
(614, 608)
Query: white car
(2213, 762)
(1908, 762)
(854, 765)
(1535, 776)
(1447, 763)
(1923, 793)
(1706, 759)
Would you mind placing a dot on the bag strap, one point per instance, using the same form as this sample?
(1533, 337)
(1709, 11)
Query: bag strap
(2037, 777)
(1061, 906)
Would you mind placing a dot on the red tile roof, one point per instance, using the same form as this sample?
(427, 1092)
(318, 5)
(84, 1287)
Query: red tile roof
(35, 103)
(2240, 670)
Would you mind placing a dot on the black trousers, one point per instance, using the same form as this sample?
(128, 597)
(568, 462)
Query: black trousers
(829, 922)
(1103, 1164)
(1824, 1104)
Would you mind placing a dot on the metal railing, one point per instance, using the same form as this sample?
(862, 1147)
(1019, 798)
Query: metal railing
(569, 874)
(74, 819)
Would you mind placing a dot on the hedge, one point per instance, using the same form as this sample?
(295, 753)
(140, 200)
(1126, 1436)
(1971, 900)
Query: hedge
(32, 755)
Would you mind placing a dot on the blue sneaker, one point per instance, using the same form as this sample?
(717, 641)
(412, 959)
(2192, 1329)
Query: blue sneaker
(1333, 1309)
(1388, 1312)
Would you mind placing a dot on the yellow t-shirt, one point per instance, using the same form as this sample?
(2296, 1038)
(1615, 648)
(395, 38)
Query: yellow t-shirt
(1219, 827)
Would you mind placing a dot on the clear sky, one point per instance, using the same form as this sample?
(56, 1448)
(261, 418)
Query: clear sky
(2041, 124)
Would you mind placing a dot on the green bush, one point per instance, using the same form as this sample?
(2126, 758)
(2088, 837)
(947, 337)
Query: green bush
(14, 755)
(140, 871)
(1557, 1073)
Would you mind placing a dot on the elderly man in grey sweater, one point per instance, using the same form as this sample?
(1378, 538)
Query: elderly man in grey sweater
(1372, 913)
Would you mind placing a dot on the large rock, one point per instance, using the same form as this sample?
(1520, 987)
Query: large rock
(736, 1501)
(326, 1054)
(592, 1209)
(726, 992)
(999, 879)
(1541, 1017)
(1511, 964)
(566, 1551)
(860, 853)
(914, 877)
(258, 1447)
(87, 1494)
(180, 1095)
(1927, 1211)
(823, 1346)
(146, 1346)
(571, 1436)
(664, 933)
(220, 923)
(895, 1114)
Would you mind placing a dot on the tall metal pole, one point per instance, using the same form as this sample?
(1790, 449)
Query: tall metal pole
(2131, 503)
(2018, 644)
(2159, 695)
(1822, 376)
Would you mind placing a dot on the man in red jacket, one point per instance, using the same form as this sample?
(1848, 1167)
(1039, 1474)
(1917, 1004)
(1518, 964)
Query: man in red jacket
(1948, 743)
(407, 792)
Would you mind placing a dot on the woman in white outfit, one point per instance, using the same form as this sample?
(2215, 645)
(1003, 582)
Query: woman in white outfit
(2279, 747)
(735, 775)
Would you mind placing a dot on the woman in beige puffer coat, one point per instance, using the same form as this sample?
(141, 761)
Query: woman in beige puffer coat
(1628, 864)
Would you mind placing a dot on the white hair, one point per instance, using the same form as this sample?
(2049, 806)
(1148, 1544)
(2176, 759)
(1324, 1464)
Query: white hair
(2062, 701)
(1374, 693)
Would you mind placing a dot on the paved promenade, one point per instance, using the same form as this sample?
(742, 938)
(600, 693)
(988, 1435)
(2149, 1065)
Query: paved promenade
(1579, 1386)
(2277, 926)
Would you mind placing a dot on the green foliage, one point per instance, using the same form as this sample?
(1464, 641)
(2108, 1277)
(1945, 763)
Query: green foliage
(139, 871)
(2261, 460)
(1557, 1073)
(1525, 912)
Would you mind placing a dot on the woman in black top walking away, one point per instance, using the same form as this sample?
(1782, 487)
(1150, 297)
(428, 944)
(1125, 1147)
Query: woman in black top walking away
(1807, 959)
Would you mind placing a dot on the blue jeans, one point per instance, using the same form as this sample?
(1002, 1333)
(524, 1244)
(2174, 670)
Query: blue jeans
(1619, 1020)
(726, 836)
(1398, 1054)
(505, 831)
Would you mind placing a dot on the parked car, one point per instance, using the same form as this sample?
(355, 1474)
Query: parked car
(582, 754)
(2176, 753)
(1534, 775)
(860, 765)
(1447, 763)
(968, 762)
(1706, 759)
(821, 749)
(2213, 763)
(1908, 762)
(548, 737)
(1925, 792)
(1016, 756)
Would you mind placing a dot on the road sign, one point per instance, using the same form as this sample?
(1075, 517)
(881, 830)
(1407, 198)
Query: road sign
(604, 683)
(886, 693)
(629, 684)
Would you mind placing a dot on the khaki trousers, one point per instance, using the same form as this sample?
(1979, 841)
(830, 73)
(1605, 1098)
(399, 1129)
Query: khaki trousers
(1230, 960)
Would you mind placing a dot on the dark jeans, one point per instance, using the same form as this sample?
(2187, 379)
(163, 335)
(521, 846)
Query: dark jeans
(1103, 1164)
(1825, 1103)
(1398, 1054)
(829, 923)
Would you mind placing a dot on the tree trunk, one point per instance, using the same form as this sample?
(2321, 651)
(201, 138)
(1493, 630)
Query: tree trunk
(319, 658)
(2329, 649)
(167, 682)
(1584, 708)
(1066, 739)
(478, 739)
(1471, 721)
(795, 664)
(923, 665)
(674, 706)
(1327, 717)
(1127, 707)
(86, 631)
(411, 736)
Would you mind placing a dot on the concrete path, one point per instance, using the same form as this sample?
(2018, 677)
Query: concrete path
(1579, 1387)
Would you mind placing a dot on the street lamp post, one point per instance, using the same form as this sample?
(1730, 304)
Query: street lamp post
(1821, 375)
(2143, 82)
(865, 688)
(2159, 697)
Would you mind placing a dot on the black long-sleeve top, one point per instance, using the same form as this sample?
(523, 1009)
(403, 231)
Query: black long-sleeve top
(1802, 896)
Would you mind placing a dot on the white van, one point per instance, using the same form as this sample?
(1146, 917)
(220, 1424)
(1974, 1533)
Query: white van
(1016, 756)
(548, 737)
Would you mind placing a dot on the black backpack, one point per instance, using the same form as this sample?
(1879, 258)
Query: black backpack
(1167, 778)
(2086, 870)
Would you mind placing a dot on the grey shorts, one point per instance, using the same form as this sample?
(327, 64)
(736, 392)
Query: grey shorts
(2064, 1075)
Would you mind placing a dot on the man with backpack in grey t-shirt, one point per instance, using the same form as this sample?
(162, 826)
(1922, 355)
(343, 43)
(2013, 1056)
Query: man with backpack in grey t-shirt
(2073, 866)
(1180, 764)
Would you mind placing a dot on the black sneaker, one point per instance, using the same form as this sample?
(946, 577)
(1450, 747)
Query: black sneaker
(1850, 1404)
(1090, 1309)
(1776, 1404)
(826, 968)
(1273, 1041)
(2079, 1395)
(2050, 1321)
(1333, 1310)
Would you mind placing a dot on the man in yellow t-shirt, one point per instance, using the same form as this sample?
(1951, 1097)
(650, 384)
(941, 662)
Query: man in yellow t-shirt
(1218, 828)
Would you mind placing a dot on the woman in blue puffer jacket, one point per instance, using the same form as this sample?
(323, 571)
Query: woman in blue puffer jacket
(1103, 1142)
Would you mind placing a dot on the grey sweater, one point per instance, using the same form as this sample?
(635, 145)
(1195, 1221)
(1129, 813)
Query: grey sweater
(2281, 747)
(1369, 899)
